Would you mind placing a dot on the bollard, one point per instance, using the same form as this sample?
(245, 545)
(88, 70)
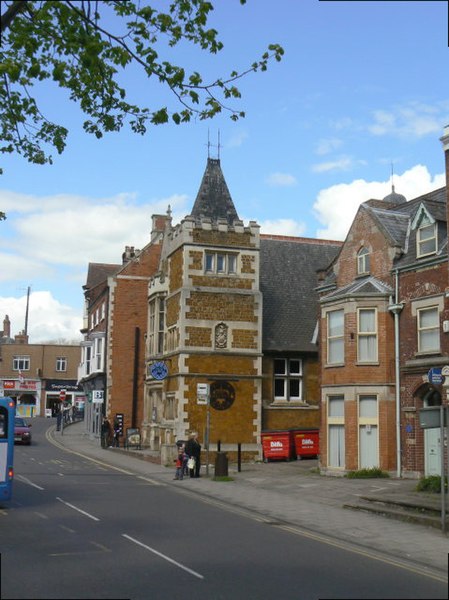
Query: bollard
(221, 464)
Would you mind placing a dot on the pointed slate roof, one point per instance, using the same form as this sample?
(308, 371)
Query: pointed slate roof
(214, 200)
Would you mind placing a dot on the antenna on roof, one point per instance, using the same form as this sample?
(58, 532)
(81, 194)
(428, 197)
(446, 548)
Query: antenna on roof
(209, 145)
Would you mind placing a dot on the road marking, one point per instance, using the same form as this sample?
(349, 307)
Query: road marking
(165, 557)
(100, 546)
(28, 482)
(368, 553)
(106, 466)
(41, 515)
(65, 528)
(152, 481)
(83, 512)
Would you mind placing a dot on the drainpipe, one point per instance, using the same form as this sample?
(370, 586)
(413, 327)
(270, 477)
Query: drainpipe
(396, 308)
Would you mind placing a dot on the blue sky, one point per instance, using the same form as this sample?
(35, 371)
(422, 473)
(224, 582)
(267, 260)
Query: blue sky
(363, 85)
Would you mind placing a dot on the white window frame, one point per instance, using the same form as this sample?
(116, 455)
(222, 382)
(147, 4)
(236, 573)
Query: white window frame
(21, 363)
(363, 261)
(336, 421)
(368, 421)
(61, 364)
(291, 375)
(156, 325)
(335, 339)
(220, 263)
(364, 336)
(431, 239)
(423, 330)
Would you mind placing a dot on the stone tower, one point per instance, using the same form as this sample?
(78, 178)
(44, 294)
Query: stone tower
(205, 327)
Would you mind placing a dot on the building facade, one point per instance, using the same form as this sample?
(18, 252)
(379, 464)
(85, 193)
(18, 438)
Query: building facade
(36, 374)
(384, 326)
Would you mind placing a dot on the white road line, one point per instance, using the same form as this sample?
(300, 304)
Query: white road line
(28, 482)
(167, 558)
(83, 512)
(152, 481)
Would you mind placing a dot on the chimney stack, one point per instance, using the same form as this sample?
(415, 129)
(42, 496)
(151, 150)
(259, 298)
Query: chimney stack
(6, 327)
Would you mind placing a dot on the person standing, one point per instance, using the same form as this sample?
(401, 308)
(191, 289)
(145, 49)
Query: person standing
(105, 433)
(193, 450)
(116, 441)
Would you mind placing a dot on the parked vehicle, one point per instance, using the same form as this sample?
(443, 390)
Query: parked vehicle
(22, 432)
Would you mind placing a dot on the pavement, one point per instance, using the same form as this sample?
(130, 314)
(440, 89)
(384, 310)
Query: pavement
(295, 497)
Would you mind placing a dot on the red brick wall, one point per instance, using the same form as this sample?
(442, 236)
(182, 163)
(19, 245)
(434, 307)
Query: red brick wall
(130, 307)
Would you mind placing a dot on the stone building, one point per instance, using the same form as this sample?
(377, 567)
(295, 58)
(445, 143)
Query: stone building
(384, 325)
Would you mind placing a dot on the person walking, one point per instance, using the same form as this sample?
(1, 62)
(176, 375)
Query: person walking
(193, 450)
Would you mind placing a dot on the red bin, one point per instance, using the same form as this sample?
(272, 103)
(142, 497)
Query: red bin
(307, 442)
(277, 445)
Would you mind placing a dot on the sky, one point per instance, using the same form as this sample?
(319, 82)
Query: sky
(359, 101)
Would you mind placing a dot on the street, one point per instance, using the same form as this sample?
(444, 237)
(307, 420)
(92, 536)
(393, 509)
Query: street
(80, 529)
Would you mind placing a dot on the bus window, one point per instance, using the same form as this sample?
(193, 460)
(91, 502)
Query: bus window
(3, 422)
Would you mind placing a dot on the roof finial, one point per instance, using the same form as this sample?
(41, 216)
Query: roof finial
(392, 177)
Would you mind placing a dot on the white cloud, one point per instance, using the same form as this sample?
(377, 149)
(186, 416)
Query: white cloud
(336, 206)
(281, 180)
(412, 120)
(283, 227)
(48, 230)
(341, 164)
(48, 319)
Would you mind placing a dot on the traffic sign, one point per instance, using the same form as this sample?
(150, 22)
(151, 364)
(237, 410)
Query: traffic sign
(62, 395)
(97, 396)
(435, 376)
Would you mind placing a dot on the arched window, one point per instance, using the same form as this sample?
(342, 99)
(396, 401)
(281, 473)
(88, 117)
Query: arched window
(363, 265)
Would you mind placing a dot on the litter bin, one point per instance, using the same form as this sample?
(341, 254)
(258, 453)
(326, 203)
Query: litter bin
(221, 464)
(277, 445)
(307, 442)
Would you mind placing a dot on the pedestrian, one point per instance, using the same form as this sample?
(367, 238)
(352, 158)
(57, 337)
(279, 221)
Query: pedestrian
(116, 441)
(105, 433)
(193, 450)
(179, 460)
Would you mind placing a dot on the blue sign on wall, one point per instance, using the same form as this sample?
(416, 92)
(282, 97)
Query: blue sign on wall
(435, 376)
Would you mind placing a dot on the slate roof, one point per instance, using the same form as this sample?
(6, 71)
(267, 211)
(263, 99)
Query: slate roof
(288, 282)
(99, 272)
(213, 200)
(365, 286)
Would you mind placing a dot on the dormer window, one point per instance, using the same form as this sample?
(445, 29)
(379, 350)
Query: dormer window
(426, 232)
(426, 240)
(363, 262)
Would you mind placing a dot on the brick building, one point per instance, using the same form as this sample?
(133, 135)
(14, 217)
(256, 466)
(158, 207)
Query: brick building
(384, 325)
(112, 365)
(34, 374)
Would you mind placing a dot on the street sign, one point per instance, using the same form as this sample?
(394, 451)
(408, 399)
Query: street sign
(62, 395)
(202, 393)
(98, 396)
(435, 376)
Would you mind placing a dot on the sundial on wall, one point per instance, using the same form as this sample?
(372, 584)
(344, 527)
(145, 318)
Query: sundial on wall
(222, 395)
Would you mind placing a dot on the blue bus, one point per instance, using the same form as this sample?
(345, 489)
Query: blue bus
(7, 414)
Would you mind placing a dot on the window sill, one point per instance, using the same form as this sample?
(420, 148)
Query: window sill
(287, 404)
